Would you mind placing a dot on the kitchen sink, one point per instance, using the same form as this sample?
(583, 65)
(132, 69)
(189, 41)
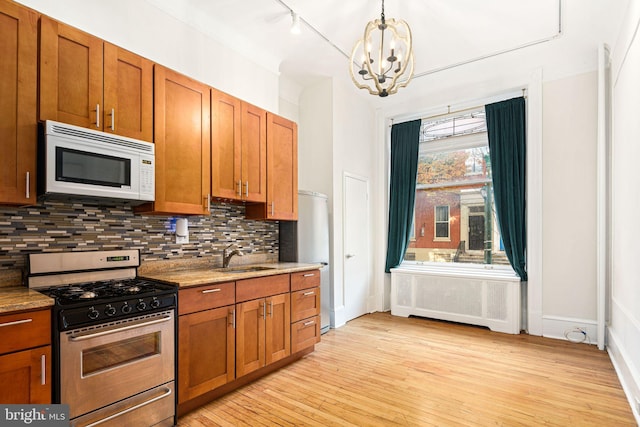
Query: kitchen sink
(241, 269)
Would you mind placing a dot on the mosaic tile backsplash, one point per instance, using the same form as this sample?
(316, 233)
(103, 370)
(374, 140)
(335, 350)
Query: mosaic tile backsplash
(81, 226)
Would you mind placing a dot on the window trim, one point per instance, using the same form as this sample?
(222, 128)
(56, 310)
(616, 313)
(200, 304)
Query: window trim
(437, 238)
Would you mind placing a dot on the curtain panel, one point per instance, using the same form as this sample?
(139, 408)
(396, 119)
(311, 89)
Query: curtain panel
(405, 143)
(506, 126)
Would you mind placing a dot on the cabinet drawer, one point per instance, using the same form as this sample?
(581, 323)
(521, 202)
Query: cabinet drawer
(206, 297)
(261, 287)
(305, 279)
(25, 330)
(305, 303)
(305, 333)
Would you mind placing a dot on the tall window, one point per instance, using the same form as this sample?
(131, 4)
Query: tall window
(454, 215)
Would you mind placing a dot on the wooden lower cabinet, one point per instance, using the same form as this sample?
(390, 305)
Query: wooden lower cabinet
(25, 357)
(262, 334)
(207, 351)
(230, 334)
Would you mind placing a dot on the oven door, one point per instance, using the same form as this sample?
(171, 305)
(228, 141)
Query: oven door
(106, 363)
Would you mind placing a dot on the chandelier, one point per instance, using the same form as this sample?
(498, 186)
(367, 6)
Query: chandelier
(382, 61)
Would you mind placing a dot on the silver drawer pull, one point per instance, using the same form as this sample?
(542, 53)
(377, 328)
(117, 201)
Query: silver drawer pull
(306, 294)
(309, 275)
(17, 322)
(208, 291)
(166, 393)
(309, 323)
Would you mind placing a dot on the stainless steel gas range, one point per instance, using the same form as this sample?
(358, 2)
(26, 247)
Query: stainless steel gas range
(113, 336)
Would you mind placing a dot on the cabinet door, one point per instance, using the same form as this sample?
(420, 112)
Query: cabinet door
(226, 152)
(128, 94)
(28, 373)
(254, 153)
(70, 75)
(206, 351)
(278, 328)
(282, 172)
(250, 336)
(183, 141)
(18, 82)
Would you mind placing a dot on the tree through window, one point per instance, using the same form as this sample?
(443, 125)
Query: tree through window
(454, 215)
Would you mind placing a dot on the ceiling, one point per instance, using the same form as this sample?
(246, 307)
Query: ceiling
(446, 33)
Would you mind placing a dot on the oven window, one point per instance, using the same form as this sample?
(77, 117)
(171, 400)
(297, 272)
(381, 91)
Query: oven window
(121, 352)
(91, 168)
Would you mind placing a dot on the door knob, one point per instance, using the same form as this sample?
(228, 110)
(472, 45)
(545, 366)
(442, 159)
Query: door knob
(350, 255)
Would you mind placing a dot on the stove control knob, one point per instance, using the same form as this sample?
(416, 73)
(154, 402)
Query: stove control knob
(126, 308)
(110, 310)
(141, 305)
(155, 303)
(93, 313)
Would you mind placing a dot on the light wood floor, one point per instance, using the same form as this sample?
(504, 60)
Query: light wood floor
(381, 370)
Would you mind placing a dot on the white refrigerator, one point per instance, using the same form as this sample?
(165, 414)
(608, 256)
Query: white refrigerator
(307, 240)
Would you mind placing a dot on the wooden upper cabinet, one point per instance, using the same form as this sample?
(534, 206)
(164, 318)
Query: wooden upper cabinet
(70, 75)
(182, 132)
(254, 153)
(18, 102)
(226, 146)
(282, 172)
(90, 83)
(128, 94)
(238, 149)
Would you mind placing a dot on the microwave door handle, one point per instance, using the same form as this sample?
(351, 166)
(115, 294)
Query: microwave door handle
(88, 336)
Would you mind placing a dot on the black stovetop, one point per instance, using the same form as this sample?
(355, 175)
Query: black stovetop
(96, 292)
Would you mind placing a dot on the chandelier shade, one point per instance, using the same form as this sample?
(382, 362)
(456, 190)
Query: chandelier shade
(382, 61)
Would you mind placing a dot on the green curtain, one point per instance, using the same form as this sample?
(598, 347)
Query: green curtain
(405, 142)
(507, 147)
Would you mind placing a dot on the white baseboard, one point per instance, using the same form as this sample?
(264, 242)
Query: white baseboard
(630, 382)
(556, 327)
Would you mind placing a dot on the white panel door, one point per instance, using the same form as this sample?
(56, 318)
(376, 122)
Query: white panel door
(356, 246)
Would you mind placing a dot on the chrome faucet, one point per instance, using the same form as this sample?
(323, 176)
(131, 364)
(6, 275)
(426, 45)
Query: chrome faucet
(226, 257)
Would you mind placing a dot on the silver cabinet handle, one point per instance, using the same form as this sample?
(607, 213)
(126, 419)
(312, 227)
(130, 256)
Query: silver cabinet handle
(208, 198)
(113, 119)
(307, 294)
(271, 308)
(232, 313)
(208, 291)
(43, 369)
(246, 189)
(27, 193)
(309, 275)
(17, 322)
(240, 188)
(272, 207)
(264, 310)
(312, 322)
(98, 116)
(166, 393)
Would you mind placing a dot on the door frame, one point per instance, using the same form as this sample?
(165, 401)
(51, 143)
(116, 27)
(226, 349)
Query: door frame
(370, 303)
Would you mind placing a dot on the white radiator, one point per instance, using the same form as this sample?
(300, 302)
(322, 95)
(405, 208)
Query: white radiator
(488, 298)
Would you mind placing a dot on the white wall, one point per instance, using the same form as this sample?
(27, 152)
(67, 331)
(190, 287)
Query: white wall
(624, 327)
(353, 153)
(569, 204)
(147, 31)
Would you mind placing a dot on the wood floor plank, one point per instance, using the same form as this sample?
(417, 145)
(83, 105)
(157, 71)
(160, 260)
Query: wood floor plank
(382, 370)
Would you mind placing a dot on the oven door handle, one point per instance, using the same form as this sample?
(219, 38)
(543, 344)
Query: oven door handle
(89, 335)
(133, 408)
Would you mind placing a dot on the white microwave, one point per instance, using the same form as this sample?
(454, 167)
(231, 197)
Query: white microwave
(75, 161)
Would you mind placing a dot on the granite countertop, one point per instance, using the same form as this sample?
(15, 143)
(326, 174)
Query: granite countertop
(18, 298)
(186, 276)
